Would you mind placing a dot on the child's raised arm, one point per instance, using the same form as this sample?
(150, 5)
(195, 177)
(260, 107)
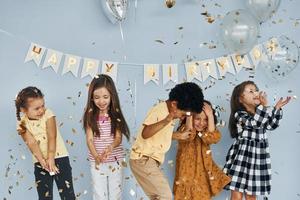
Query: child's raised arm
(152, 129)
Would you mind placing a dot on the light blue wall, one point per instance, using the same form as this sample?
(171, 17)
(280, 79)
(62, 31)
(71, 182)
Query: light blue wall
(79, 27)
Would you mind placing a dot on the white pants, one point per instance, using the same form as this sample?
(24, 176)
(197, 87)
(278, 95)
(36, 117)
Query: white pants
(107, 181)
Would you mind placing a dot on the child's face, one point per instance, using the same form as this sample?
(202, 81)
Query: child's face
(35, 108)
(200, 121)
(101, 97)
(250, 96)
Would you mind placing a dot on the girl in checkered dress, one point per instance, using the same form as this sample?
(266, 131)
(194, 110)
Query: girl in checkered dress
(248, 159)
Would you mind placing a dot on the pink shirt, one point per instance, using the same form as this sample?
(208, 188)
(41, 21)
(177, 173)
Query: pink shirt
(105, 139)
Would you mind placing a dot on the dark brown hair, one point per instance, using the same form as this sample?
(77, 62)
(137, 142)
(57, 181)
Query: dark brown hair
(214, 114)
(92, 112)
(23, 96)
(236, 105)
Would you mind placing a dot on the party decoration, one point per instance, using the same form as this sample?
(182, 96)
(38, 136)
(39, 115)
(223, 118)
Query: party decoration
(151, 73)
(240, 61)
(283, 57)
(110, 68)
(193, 71)
(170, 3)
(278, 56)
(90, 67)
(35, 53)
(225, 65)
(239, 31)
(170, 73)
(53, 59)
(262, 9)
(115, 10)
(71, 64)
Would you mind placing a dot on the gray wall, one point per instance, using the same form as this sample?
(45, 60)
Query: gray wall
(79, 27)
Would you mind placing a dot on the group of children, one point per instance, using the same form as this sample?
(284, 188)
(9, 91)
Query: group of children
(247, 171)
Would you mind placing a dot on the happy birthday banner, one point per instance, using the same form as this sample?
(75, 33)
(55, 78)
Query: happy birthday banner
(200, 70)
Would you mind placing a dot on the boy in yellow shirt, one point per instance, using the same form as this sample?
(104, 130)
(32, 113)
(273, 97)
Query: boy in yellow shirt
(155, 136)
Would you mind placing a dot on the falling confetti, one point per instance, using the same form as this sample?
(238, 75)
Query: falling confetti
(159, 41)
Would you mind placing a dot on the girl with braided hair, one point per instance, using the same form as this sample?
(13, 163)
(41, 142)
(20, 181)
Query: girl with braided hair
(37, 127)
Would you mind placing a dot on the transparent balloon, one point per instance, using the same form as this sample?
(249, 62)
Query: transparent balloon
(115, 10)
(282, 57)
(239, 31)
(263, 9)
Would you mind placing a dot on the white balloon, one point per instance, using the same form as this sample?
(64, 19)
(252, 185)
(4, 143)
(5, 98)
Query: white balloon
(115, 10)
(262, 9)
(239, 31)
(283, 58)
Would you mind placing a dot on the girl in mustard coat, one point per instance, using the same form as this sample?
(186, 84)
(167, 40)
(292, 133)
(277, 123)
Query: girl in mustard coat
(197, 176)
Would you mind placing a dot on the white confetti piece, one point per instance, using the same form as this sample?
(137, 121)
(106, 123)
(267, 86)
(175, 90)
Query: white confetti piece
(200, 134)
(132, 192)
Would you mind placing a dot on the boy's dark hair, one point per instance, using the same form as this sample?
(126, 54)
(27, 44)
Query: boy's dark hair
(189, 97)
(23, 96)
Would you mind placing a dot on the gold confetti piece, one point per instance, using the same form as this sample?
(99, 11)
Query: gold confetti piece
(294, 97)
(170, 161)
(208, 151)
(124, 164)
(74, 131)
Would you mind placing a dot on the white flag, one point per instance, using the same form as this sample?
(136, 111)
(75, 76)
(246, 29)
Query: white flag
(225, 65)
(170, 73)
(151, 73)
(90, 67)
(192, 71)
(240, 61)
(35, 53)
(257, 55)
(71, 64)
(110, 68)
(272, 46)
(208, 68)
(52, 59)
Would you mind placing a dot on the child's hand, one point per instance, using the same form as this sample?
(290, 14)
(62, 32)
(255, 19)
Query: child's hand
(43, 164)
(282, 102)
(208, 110)
(107, 152)
(21, 127)
(98, 161)
(263, 98)
(51, 166)
(187, 135)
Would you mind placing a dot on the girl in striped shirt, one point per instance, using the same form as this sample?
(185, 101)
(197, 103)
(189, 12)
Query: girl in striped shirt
(104, 125)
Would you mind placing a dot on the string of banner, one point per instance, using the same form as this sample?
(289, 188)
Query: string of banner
(199, 70)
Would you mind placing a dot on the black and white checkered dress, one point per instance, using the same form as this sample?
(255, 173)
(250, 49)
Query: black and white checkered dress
(248, 159)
